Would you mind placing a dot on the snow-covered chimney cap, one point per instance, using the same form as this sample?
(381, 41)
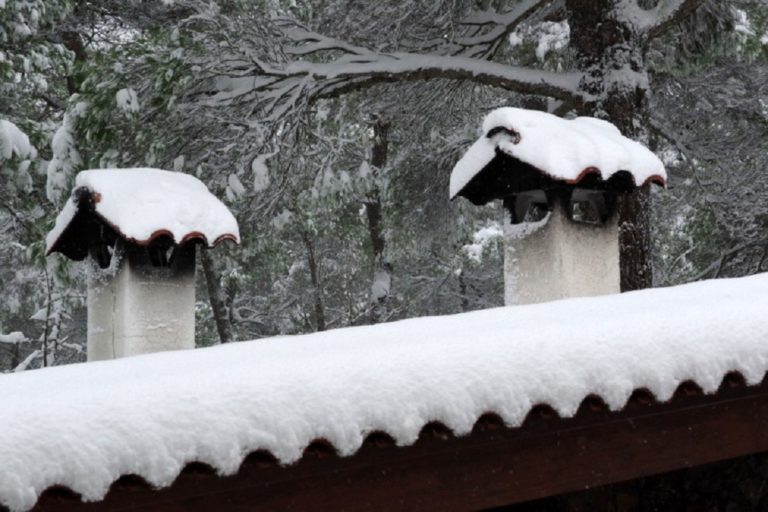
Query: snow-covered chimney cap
(141, 205)
(565, 150)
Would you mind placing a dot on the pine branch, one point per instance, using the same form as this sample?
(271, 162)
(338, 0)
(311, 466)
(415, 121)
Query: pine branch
(671, 16)
(484, 45)
(302, 82)
(715, 268)
(411, 67)
(307, 42)
(656, 21)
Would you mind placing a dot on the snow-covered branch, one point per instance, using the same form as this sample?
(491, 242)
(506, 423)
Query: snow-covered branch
(35, 354)
(657, 20)
(14, 142)
(345, 76)
(304, 81)
(13, 338)
(312, 66)
(479, 35)
(482, 44)
(306, 42)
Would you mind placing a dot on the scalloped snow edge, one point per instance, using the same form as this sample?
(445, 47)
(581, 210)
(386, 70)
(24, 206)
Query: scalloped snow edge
(83, 426)
(142, 203)
(561, 148)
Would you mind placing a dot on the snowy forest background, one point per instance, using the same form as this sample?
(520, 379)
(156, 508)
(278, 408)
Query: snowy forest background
(330, 128)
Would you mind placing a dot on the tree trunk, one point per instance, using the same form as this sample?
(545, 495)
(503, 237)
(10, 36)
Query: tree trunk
(315, 280)
(609, 52)
(48, 304)
(15, 352)
(382, 269)
(218, 304)
(73, 41)
(463, 291)
(635, 240)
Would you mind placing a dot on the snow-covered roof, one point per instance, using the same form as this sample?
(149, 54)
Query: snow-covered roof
(563, 149)
(142, 204)
(83, 426)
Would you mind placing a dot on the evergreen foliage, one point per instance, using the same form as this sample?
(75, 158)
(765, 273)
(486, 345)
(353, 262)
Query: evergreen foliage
(271, 104)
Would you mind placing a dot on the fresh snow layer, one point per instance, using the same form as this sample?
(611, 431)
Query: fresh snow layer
(13, 338)
(85, 425)
(14, 142)
(481, 239)
(127, 100)
(141, 203)
(561, 148)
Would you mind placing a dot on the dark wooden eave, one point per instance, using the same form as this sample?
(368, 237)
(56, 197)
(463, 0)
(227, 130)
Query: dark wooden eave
(492, 466)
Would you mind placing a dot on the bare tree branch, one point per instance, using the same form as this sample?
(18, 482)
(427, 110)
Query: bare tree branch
(486, 44)
(658, 128)
(716, 266)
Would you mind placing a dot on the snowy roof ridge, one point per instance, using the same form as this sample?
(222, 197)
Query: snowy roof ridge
(157, 413)
(142, 204)
(564, 149)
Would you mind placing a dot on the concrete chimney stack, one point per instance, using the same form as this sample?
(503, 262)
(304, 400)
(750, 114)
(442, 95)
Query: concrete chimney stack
(560, 182)
(138, 229)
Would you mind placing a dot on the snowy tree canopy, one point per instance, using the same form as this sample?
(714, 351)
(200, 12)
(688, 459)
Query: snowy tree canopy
(330, 130)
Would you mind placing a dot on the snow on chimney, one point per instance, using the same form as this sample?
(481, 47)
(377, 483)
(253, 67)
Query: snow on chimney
(560, 181)
(138, 229)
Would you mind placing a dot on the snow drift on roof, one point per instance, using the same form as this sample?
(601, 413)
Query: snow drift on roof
(563, 149)
(85, 425)
(141, 204)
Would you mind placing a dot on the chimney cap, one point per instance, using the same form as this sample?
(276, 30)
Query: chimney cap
(140, 205)
(562, 150)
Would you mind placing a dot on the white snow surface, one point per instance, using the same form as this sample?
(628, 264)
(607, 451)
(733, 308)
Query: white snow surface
(84, 425)
(142, 202)
(481, 239)
(548, 36)
(382, 283)
(561, 148)
(14, 142)
(645, 19)
(13, 338)
(524, 229)
(127, 100)
(66, 157)
(260, 173)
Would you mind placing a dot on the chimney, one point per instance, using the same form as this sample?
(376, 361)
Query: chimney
(560, 182)
(138, 230)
